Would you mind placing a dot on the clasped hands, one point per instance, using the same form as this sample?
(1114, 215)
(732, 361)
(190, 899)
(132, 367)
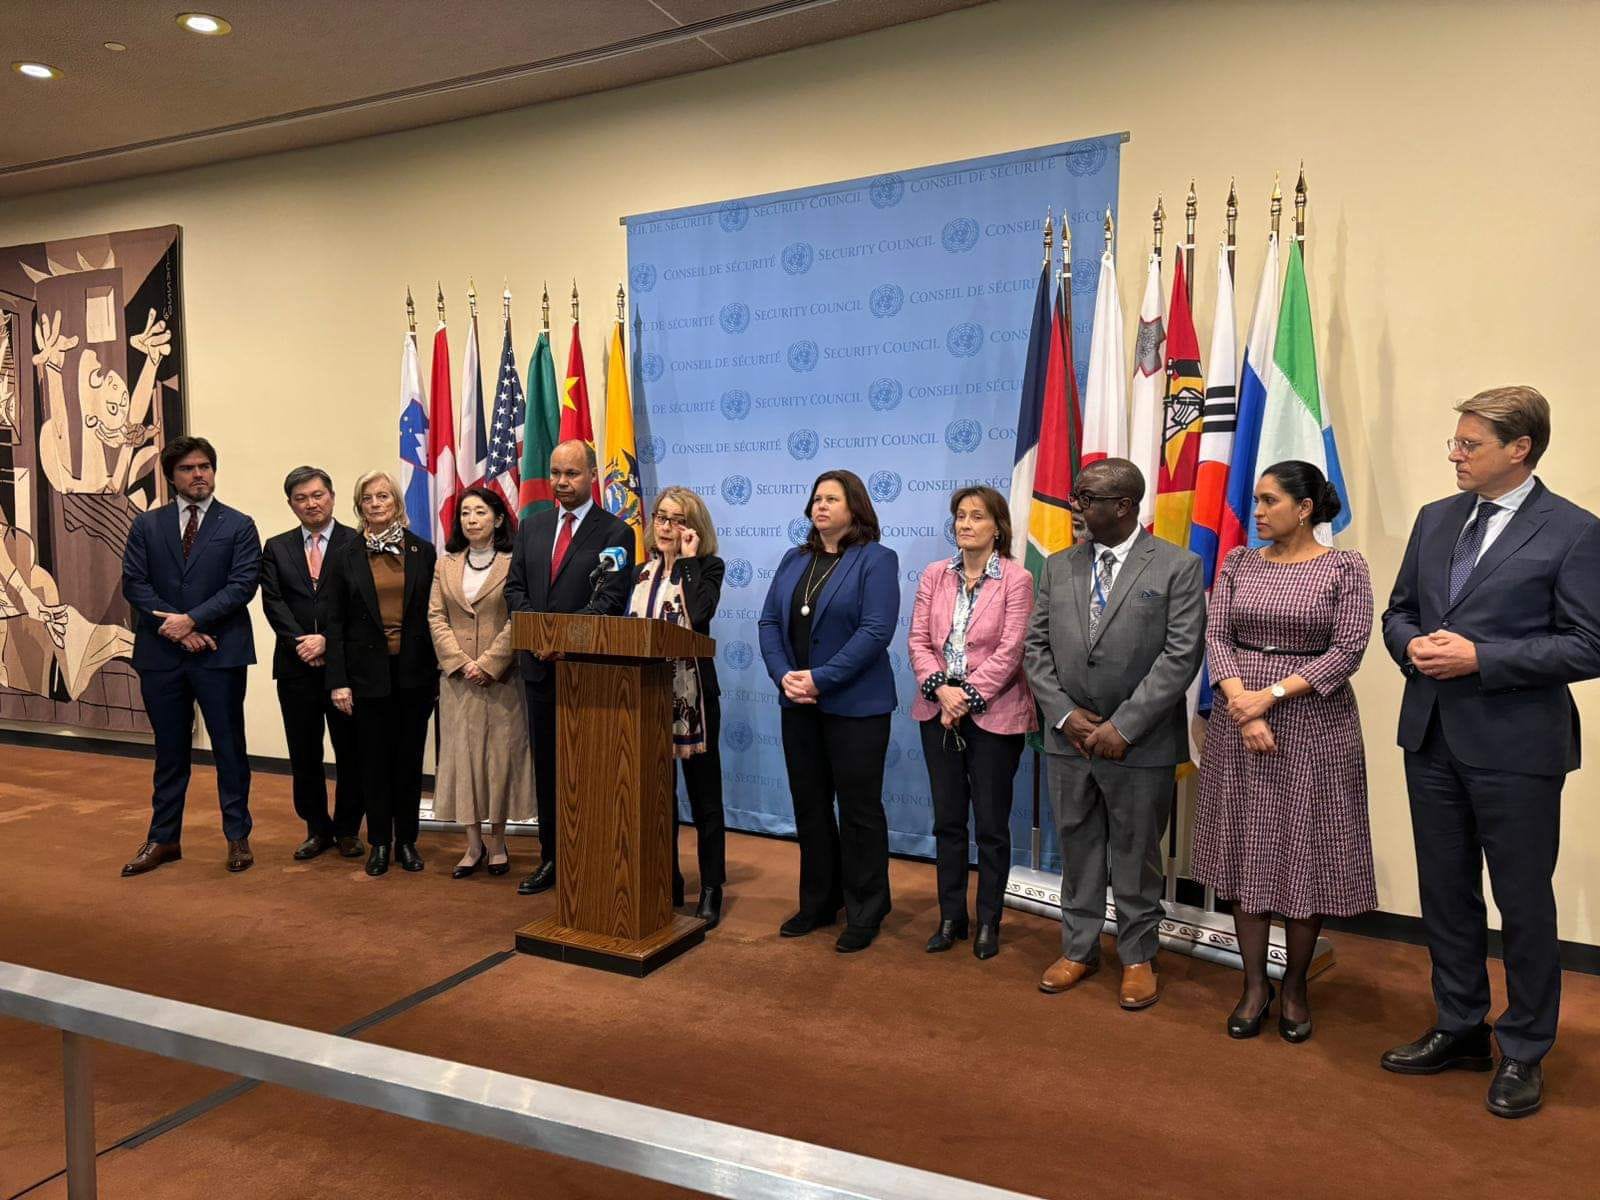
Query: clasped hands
(1248, 710)
(799, 687)
(473, 673)
(179, 627)
(1442, 655)
(1093, 736)
(953, 705)
(311, 648)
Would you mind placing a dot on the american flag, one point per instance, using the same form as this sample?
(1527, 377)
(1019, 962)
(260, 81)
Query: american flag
(505, 428)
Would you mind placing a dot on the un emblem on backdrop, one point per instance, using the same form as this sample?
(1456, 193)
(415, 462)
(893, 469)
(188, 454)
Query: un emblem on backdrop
(651, 367)
(734, 317)
(643, 277)
(739, 655)
(1085, 276)
(950, 530)
(960, 235)
(803, 444)
(736, 404)
(963, 435)
(739, 572)
(1087, 161)
(803, 355)
(964, 339)
(799, 530)
(733, 216)
(884, 394)
(886, 190)
(736, 488)
(652, 449)
(738, 735)
(886, 299)
(884, 486)
(797, 257)
(891, 756)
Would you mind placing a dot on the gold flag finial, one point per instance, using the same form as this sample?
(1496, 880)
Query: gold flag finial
(1191, 206)
(472, 298)
(1233, 226)
(1066, 243)
(544, 307)
(411, 310)
(574, 301)
(1300, 205)
(1159, 220)
(1049, 233)
(1277, 202)
(505, 302)
(1191, 210)
(1111, 229)
(622, 304)
(440, 301)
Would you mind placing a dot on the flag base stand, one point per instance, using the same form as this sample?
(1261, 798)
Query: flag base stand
(1184, 929)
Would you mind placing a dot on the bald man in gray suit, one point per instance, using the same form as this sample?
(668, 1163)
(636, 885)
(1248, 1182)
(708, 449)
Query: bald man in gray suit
(1116, 637)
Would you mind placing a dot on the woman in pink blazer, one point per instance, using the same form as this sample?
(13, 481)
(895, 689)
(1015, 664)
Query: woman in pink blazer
(967, 629)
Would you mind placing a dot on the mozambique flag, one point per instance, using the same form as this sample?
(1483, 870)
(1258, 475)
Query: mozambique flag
(1181, 419)
(540, 432)
(620, 472)
(575, 419)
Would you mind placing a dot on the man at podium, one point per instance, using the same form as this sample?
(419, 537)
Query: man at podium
(561, 565)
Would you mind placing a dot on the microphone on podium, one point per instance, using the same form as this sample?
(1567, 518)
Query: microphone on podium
(610, 561)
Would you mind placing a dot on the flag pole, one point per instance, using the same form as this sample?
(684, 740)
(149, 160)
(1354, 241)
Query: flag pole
(472, 299)
(544, 307)
(440, 302)
(1300, 209)
(1277, 205)
(574, 301)
(1049, 234)
(1233, 228)
(505, 303)
(1159, 219)
(1191, 209)
(411, 313)
(622, 305)
(1111, 229)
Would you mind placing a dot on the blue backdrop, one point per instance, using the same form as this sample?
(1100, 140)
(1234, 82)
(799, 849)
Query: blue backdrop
(878, 325)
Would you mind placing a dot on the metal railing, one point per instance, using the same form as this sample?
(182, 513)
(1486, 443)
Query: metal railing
(691, 1152)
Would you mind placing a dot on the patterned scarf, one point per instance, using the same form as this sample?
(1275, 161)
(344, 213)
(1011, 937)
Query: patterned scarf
(658, 594)
(391, 541)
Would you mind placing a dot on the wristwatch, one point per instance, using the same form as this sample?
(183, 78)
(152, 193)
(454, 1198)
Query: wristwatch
(1278, 691)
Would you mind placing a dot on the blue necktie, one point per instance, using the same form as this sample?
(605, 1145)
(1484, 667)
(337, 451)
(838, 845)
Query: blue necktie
(1102, 589)
(1465, 557)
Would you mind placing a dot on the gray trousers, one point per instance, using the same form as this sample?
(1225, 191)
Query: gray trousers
(1111, 819)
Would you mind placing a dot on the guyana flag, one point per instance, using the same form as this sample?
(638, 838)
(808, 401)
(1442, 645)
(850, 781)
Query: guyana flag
(1181, 419)
(541, 430)
(1060, 441)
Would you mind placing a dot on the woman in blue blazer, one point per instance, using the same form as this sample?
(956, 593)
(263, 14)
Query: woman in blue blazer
(826, 626)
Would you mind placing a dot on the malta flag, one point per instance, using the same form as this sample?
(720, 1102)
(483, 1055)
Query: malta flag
(1105, 396)
(1030, 420)
(575, 419)
(414, 477)
(541, 432)
(1180, 434)
(1149, 392)
(472, 442)
(621, 491)
(443, 486)
(1237, 524)
(1296, 423)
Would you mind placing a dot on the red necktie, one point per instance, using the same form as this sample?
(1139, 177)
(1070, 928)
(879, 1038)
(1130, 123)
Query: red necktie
(191, 529)
(563, 542)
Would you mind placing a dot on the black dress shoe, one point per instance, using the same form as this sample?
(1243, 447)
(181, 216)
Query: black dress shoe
(987, 943)
(1517, 1089)
(709, 909)
(405, 854)
(351, 847)
(378, 860)
(854, 938)
(947, 935)
(464, 869)
(803, 923)
(1293, 1031)
(1438, 1050)
(542, 880)
(312, 846)
(1249, 1027)
(500, 868)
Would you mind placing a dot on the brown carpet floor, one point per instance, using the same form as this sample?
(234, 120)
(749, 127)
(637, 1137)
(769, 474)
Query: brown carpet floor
(940, 1062)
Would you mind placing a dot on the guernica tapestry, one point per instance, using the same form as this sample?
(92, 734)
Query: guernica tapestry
(91, 388)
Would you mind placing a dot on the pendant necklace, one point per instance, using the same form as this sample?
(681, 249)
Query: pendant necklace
(809, 592)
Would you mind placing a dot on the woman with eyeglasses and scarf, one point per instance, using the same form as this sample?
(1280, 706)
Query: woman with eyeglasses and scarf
(968, 625)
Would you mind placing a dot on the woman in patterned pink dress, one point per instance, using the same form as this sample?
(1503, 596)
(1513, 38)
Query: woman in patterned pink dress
(1281, 812)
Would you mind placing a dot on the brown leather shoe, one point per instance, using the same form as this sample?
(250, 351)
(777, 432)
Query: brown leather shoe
(1139, 988)
(1065, 973)
(351, 847)
(239, 856)
(150, 856)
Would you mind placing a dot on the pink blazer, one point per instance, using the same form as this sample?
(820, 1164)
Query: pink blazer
(995, 635)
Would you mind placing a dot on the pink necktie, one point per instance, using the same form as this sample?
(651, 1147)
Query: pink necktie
(314, 558)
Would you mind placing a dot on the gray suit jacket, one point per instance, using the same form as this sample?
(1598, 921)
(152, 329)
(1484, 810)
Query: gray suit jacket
(1146, 651)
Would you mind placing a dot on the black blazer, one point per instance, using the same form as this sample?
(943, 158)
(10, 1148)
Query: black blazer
(529, 587)
(701, 580)
(1531, 606)
(290, 601)
(358, 654)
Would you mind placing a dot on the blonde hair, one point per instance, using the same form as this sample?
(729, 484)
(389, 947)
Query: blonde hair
(1515, 412)
(394, 487)
(695, 514)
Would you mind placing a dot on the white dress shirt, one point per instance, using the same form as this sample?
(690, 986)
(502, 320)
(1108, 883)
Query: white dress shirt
(578, 514)
(1499, 516)
(200, 517)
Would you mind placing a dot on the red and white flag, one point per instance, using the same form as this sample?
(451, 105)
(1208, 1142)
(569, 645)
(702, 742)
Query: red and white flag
(443, 486)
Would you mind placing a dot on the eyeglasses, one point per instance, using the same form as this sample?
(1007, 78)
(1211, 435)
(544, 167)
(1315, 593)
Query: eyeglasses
(1079, 500)
(665, 521)
(1466, 445)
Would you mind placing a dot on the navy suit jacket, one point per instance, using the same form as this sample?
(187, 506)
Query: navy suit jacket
(1532, 608)
(213, 586)
(852, 623)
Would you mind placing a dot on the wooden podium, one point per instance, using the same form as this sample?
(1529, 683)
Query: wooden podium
(615, 790)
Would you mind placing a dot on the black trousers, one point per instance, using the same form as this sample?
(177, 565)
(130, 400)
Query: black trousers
(391, 738)
(977, 778)
(307, 708)
(702, 779)
(1460, 816)
(169, 701)
(542, 735)
(845, 861)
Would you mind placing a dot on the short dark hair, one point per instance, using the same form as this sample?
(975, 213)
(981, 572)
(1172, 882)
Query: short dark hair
(997, 508)
(180, 448)
(863, 518)
(1303, 481)
(301, 475)
(505, 524)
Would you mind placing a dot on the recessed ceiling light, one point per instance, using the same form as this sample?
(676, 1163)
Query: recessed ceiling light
(205, 23)
(117, 46)
(35, 70)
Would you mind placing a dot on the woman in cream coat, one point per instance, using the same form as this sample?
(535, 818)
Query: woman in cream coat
(485, 772)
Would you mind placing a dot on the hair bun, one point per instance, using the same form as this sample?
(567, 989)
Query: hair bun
(1329, 505)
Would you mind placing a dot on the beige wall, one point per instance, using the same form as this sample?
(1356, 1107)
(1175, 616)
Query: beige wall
(1452, 239)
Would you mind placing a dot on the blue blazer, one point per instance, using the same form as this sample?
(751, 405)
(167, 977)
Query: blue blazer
(852, 624)
(213, 586)
(1531, 606)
